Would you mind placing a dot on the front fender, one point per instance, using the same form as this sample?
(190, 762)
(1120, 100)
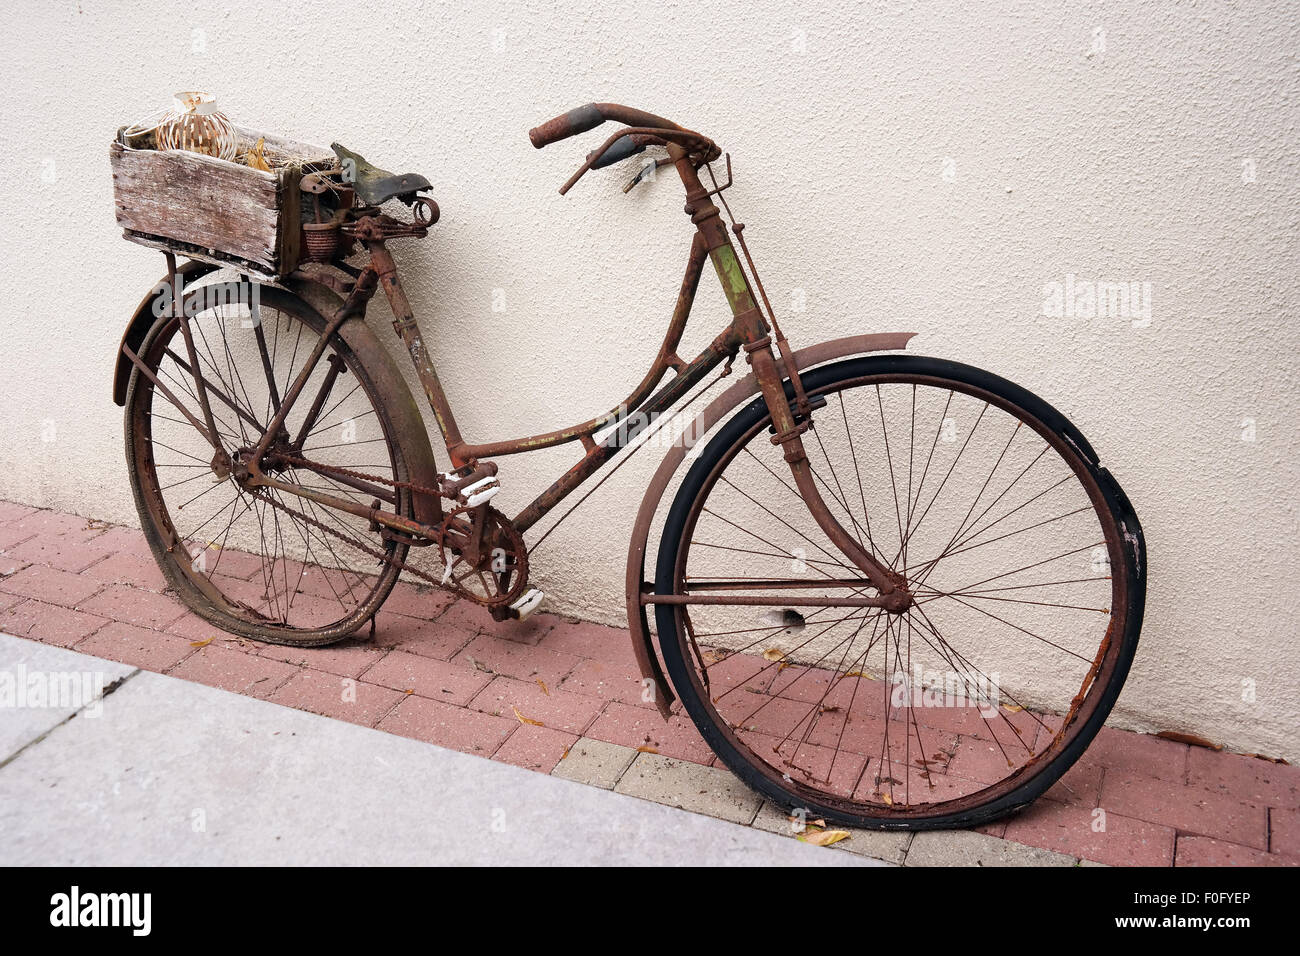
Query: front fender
(739, 393)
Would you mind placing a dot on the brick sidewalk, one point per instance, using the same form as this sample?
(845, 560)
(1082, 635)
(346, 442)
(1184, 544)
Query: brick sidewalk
(442, 671)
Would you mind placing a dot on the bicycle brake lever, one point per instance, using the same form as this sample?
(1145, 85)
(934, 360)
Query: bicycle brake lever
(640, 177)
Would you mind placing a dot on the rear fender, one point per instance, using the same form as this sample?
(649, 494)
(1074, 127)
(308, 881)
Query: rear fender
(191, 271)
(142, 320)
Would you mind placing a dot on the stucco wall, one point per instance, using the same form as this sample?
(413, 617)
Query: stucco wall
(928, 166)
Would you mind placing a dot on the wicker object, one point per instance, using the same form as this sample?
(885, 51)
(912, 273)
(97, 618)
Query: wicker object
(195, 124)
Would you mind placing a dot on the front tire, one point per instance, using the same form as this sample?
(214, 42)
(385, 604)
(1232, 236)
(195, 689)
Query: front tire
(848, 733)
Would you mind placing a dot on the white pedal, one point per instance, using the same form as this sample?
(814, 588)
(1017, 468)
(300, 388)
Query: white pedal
(483, 490)
(480, 492)
(527, 603)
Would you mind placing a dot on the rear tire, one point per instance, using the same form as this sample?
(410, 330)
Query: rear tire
(254, 568)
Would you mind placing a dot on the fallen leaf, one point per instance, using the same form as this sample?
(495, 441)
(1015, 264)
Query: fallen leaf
(527, 720)
(542, 685)
(202, 643)
(889, 801)
(823, 837)
(1190, 739)
(773, 654)
(646, 749)
(1012, 708)
(1270, 759)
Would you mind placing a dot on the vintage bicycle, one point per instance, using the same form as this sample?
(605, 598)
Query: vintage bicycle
(891, 590)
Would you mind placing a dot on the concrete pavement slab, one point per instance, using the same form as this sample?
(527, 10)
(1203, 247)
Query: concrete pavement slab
(42, 686)
(174, 773)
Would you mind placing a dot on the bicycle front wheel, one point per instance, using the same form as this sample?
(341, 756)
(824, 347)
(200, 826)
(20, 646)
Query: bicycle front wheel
(1023, 559)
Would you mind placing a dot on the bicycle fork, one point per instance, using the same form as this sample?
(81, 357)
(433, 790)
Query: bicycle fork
(789, 419)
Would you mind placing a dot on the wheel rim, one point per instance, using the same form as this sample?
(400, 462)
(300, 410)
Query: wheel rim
(867, 713)
(257, 560)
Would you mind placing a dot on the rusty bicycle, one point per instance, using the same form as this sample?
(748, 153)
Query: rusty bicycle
(892, 590)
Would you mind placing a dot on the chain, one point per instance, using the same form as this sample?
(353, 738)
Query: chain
(361, 476)
(382, 557)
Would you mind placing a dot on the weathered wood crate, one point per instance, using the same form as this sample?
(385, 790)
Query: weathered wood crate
(216, 210)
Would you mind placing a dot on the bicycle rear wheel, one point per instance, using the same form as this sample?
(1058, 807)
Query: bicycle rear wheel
(1025, 564)
(256, 561)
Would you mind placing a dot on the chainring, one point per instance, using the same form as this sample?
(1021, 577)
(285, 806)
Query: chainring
(500, 574)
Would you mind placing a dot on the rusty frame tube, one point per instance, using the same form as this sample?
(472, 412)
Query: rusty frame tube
(746, 600)
(757, 342)
(748, 329)
(668, 396)
(354, 304)
(666, 359)
(377, 515)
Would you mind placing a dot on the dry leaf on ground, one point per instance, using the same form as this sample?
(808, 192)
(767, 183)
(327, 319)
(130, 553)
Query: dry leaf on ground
(527, 720)
(823, 837)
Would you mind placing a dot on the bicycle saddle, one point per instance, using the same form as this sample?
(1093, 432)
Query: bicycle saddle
(376, 186)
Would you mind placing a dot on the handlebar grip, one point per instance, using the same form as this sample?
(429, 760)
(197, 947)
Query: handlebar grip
(570, 124)
(623, 148)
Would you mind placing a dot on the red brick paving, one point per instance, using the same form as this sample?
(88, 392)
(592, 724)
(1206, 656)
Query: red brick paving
(345, 698)
(1204, 851)
(50, 585)
(427, 677)
(1284, 831)
(535, 748)
(448, 725)
(557, 709)
(442, 671)
(48, 623)
(137, 646)
(1078, 831)
(1189, 809)
(234, 671)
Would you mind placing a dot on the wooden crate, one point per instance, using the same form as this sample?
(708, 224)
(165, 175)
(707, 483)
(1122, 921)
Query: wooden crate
(215, 210)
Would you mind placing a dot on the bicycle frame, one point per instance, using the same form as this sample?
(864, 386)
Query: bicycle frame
(748, 330)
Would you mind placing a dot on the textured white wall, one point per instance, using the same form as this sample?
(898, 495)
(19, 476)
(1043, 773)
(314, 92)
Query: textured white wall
(927, 166)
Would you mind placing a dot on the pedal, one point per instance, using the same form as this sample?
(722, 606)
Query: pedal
(480, 492)
(471, 494)
(527, 603)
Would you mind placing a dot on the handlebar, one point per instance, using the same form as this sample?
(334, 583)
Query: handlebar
(588, 117)
(644, 129)
(624, 147)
